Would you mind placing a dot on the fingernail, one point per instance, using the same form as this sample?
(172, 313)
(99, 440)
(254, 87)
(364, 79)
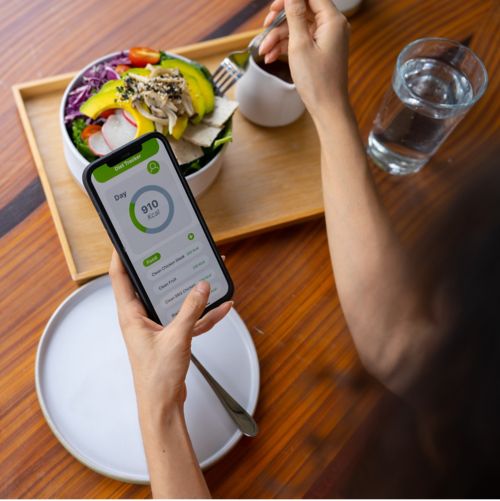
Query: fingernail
(203, 287)
(231, 304)
(267, 58)
(267, 20)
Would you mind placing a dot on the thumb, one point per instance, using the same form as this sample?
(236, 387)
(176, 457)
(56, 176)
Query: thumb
(193, 306)
(296, 15)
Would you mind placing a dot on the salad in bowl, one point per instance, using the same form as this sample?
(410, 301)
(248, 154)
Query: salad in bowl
(123, 95)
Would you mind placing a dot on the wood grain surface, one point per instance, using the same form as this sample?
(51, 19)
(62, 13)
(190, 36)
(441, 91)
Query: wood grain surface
(316, 403)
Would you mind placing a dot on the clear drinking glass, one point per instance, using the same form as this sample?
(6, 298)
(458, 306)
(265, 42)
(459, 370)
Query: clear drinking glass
(435, 82)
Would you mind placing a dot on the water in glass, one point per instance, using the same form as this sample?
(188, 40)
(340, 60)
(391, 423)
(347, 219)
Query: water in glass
(427, 99)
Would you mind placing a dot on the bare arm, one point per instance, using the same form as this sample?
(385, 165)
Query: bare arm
(172, 463)
(159, 357)
(372, 273)
(371, 266)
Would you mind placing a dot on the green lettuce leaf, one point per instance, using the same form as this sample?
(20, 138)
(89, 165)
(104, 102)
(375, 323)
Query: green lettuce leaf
(225, 136)
(76, 133)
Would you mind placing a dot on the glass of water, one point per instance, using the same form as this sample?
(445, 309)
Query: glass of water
(435, 82)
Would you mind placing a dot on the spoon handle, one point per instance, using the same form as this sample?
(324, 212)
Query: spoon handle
(279, 19)
(238, 414)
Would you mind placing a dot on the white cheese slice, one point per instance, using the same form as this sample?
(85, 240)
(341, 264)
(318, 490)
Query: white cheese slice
(201, 134)
(185, 152)
(223, 110)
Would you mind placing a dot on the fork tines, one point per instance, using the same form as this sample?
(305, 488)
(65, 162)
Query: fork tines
(226, 75)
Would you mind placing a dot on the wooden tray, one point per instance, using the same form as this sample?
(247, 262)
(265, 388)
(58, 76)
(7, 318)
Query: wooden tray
(270, 176)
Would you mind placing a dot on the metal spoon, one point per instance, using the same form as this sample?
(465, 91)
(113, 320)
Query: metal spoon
(238, 414)
(234, 65)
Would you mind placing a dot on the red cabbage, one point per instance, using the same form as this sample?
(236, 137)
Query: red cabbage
(92, 80)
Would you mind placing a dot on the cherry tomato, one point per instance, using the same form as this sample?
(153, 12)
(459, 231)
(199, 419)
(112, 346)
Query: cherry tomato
(107, 113)
(140, 56)
(122, 68)
(89, 130)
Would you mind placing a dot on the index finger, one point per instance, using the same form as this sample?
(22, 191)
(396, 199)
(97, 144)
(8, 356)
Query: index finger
(122, 286)
(274, 8)
(277, 5)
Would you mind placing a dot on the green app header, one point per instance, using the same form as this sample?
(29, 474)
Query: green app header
(104, 172)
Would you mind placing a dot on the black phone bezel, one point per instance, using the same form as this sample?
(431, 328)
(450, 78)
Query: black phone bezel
(117, 156)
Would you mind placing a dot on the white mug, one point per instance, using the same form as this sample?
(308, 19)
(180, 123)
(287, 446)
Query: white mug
(266, 99)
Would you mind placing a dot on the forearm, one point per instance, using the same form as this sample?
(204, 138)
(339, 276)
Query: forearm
(369, 262)
(173, 467)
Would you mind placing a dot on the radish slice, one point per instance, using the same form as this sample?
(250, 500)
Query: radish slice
(117, 131)
(129, 117)
(97, 144)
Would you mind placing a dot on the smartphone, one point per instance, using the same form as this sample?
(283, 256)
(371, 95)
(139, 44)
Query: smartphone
(156, 226)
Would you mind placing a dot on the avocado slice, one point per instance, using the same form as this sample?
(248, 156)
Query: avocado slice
(110, 85)
(137, 71)
(197, 98)
(194, 71)
(110, 99)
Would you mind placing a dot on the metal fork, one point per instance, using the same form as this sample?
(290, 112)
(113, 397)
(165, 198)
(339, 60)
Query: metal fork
(233, 66)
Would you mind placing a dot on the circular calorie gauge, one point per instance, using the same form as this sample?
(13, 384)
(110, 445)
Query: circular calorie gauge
(151, 209)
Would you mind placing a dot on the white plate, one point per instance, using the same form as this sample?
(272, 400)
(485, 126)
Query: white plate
(84, 385)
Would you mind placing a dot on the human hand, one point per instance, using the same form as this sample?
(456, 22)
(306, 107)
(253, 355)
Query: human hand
(316, 37)
(160, 355)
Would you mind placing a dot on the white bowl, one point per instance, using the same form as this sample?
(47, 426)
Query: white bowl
(198, 181)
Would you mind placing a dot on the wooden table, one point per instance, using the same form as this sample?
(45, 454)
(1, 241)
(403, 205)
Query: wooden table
(317, 407)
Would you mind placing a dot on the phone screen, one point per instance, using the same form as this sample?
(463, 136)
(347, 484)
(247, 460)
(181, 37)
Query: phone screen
(158, 227)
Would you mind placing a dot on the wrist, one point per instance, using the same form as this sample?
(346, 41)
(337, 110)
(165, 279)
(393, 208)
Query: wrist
(330, 114)
(155, 417)
(172, 464)
(334, 124)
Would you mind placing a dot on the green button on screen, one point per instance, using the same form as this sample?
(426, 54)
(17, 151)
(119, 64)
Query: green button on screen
(151, 259)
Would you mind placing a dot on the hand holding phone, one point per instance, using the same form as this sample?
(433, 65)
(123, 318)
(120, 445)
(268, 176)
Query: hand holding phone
(160, 355)
(156, 227)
